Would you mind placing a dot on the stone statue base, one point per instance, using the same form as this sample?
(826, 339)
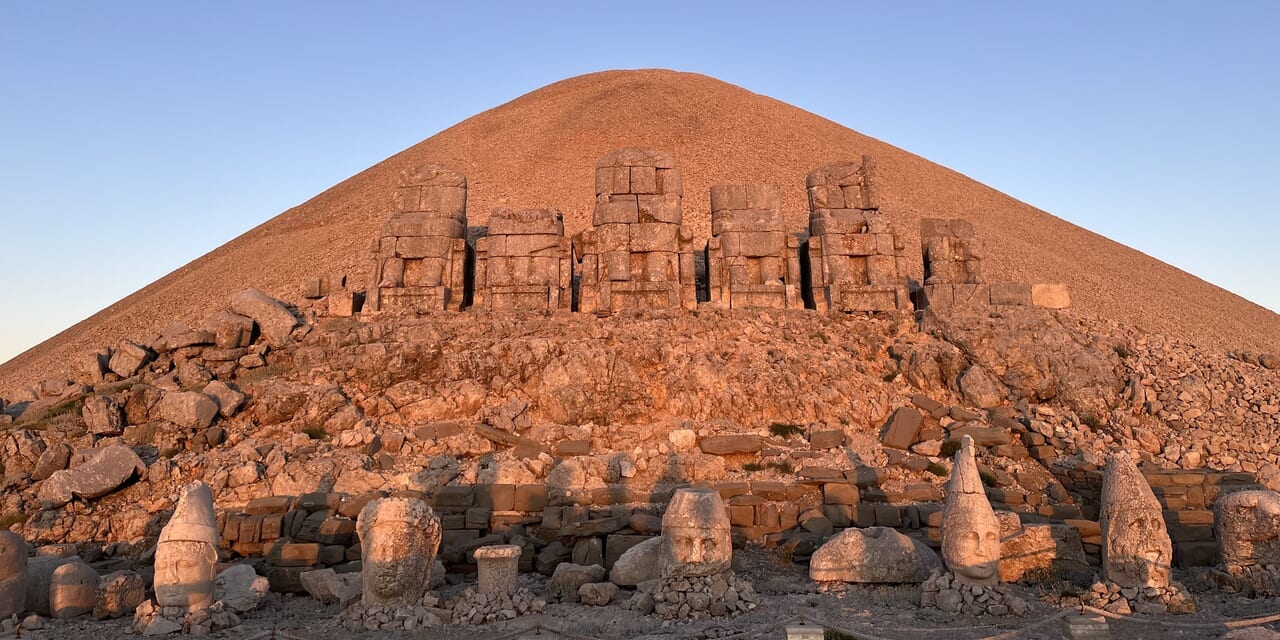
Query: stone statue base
(478, 608)
(694, 597)
(942, 591)
(363, 617)
(151, 619)
(1112, 597)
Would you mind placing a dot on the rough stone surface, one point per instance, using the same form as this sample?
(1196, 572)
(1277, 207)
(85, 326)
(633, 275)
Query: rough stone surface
(1041, 550)
(13, 573)
(597, 594)
(331, 587)
(497, 567)
(874, 554)
(241, 589)
(1248, 528)
(188, 409)
(73, 590)
(638, 564)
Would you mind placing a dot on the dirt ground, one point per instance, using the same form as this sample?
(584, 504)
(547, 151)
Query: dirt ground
(888, 612)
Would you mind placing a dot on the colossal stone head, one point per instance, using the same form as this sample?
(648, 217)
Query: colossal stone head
(1136, 551)
(970, 530)
(399, 538)
(187, 554)
(13, 571)
(695, 534)
(1249, 528)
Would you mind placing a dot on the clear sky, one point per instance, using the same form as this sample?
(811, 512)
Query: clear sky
(136, 136)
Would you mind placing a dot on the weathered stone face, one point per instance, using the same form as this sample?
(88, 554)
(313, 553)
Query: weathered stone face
(970, 530)
(695, 534)
(1136, 551)
(187, 554)
(13, 570)
(399, 538)
(1249, 528)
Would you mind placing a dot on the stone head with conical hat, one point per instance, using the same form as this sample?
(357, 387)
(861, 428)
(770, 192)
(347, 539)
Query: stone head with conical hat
(187, 554)
(970, 530)
(1136, 551)
(695, 534)
(399, 538)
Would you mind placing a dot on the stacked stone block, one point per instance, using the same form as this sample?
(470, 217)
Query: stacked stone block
(637, 254)
(421, 256)
(953, 276)
(751, 260)
(855, 259)
(525, 263)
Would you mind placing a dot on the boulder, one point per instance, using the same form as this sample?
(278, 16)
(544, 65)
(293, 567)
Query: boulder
(105, 472)
(1039, 550)
(54, 459)
(128, 357)
(229, 400)
(103, 416)
(568, 577)
(230, 330)
(638, 564)
(331, 587)
(275, 320)
(241, 589)
(119, 594)
(39, 577)
(980, 388)
(902, 429)
(874, 554)
(597, 593)
(187, 409)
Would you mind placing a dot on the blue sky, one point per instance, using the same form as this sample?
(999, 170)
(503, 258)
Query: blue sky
(136, 136)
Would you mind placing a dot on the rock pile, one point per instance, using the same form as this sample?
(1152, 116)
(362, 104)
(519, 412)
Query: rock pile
(476, 607)
(694, 597)
(943, 591)
(1173, 598)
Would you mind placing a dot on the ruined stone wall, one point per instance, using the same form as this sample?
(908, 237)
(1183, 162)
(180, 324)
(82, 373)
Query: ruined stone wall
(637, 254)
(751, 260)
(420, 258)
(855, 259)
(953, 275)
(525, 263)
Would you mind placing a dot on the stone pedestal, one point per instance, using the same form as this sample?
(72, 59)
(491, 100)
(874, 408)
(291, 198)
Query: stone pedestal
(497, 567)
(1087, 627)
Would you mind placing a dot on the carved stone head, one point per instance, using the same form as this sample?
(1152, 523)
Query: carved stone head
(1249, 528)
(695, 534)
(970, 530)
(399, 538)
(187, 554)
(1136, 551)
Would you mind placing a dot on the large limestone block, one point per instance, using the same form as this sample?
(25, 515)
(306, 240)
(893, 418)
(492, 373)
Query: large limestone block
(903, 428)
(1042, 550)
(39, 578)
(874, 554)
(1136, 550)
(105, 472)
(275, 320)
(1050, 296)
(229, 400)
(230, 330)
(640, 563)
(1248, 524)
(128, 357)
(331, 587)
(187, 409)
(13, 573)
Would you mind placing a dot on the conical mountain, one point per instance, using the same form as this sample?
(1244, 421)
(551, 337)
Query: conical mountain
(540, 150)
